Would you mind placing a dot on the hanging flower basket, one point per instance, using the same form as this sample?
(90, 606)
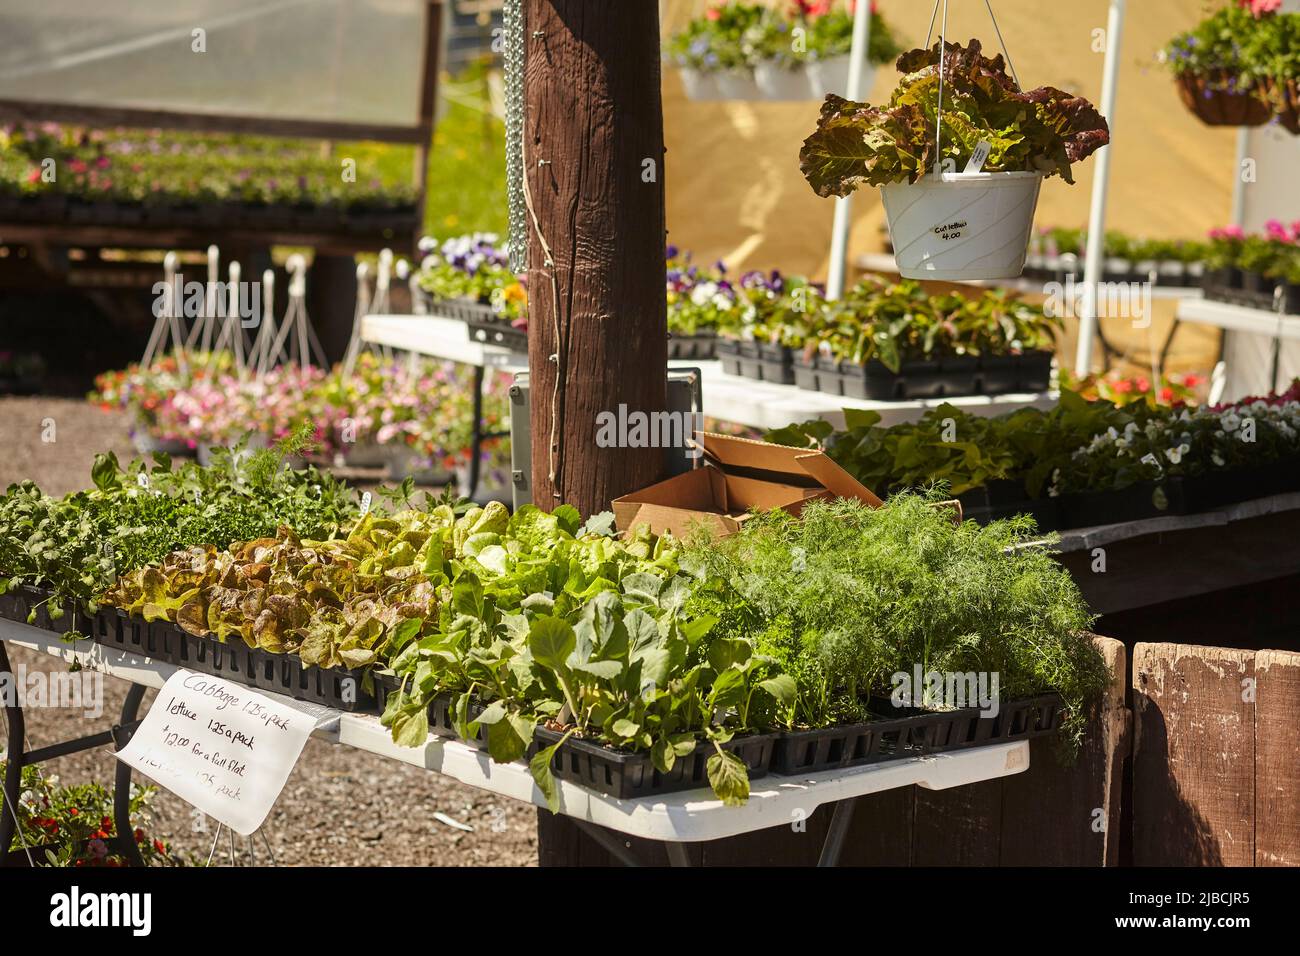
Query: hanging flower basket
(832, 76)
(963, 225)
(1215, 100)
(1284, 95)
(737, 84)
(774, 53)
(700, 86)
(777, 81)
(946, 224)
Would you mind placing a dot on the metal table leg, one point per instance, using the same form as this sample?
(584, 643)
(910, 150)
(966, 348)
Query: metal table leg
(476, 441)
(1169, 341)
(17, 757)
(13, 782)
(122, 782)
(839, 829)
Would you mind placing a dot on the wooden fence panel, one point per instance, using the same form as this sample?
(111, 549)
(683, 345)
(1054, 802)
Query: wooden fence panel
(1194, 756)
(1277, 759)
(1069, 814)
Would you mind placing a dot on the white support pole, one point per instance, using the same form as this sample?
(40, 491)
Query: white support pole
(1092, 268)
(1238, 183)
(844, 205)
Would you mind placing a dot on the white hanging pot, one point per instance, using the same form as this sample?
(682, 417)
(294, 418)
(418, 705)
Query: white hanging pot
(699, 85)
(962, 226)
(777, 82)
(832, 76)
(737, 84)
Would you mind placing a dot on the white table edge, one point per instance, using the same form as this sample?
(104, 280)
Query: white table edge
(688, 816)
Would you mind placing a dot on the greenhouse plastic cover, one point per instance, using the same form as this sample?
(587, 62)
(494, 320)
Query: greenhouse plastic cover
(346, 61)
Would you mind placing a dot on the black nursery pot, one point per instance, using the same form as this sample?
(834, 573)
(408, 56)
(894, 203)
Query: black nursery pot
(728, 353)
(1291, 298)
(999, 374)
(1003, 498)
(692, 346)
(1256, 282)
(1035, 371)
(805, 373)
(440, 712)
(498, 332)
(1192, 494)
(775, 364)
(946, 378)
(910, 732)
(1227, 277)
(1134, 503)
(831, 375)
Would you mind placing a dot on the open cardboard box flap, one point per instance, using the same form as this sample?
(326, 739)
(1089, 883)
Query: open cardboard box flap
(739, 474)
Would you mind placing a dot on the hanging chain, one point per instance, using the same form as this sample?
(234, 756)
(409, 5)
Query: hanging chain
(943, 42)
(516, 204)
(1002, 43)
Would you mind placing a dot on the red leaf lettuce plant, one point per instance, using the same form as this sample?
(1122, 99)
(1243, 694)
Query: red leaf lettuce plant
(1043, 130)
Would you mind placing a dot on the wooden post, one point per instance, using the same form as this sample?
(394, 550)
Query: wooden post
(593, 164)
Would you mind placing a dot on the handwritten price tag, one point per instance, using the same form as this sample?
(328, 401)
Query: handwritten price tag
(221, 747)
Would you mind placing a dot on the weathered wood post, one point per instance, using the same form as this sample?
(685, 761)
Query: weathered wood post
(593, 165)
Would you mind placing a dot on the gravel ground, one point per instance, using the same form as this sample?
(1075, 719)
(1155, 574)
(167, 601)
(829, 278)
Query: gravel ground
(340, 807)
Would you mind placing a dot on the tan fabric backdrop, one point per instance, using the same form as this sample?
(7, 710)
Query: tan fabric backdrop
(735, 192)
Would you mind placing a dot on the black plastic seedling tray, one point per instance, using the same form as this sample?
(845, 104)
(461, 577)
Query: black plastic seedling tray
(921, 379)
(1134, 503)
(759, 361)
(16, 604)
(913, 733)
(339, 688)
(702, 347)
(728, 353)
(1003, 498)
(1034, 373)
(1191, 494)
(627, 776)
(440, 714)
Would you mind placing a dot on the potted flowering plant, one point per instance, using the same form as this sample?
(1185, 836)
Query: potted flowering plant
(146, 392)
(715, 52)
(745, 51)
(946, 224)
(830, 42)
(470, 279)
(73, 826)
(221, 411)
(1238, 66)
(1249, 269)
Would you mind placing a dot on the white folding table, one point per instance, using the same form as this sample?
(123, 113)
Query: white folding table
(674, 819)
(729, 398)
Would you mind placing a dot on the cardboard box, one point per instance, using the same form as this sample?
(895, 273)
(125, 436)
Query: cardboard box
(738, 476)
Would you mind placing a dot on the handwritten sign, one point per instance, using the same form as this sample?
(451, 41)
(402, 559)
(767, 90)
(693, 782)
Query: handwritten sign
(222, 747)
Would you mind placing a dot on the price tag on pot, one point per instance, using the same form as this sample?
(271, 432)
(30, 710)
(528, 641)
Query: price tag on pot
(221, 747)
(978, 158)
